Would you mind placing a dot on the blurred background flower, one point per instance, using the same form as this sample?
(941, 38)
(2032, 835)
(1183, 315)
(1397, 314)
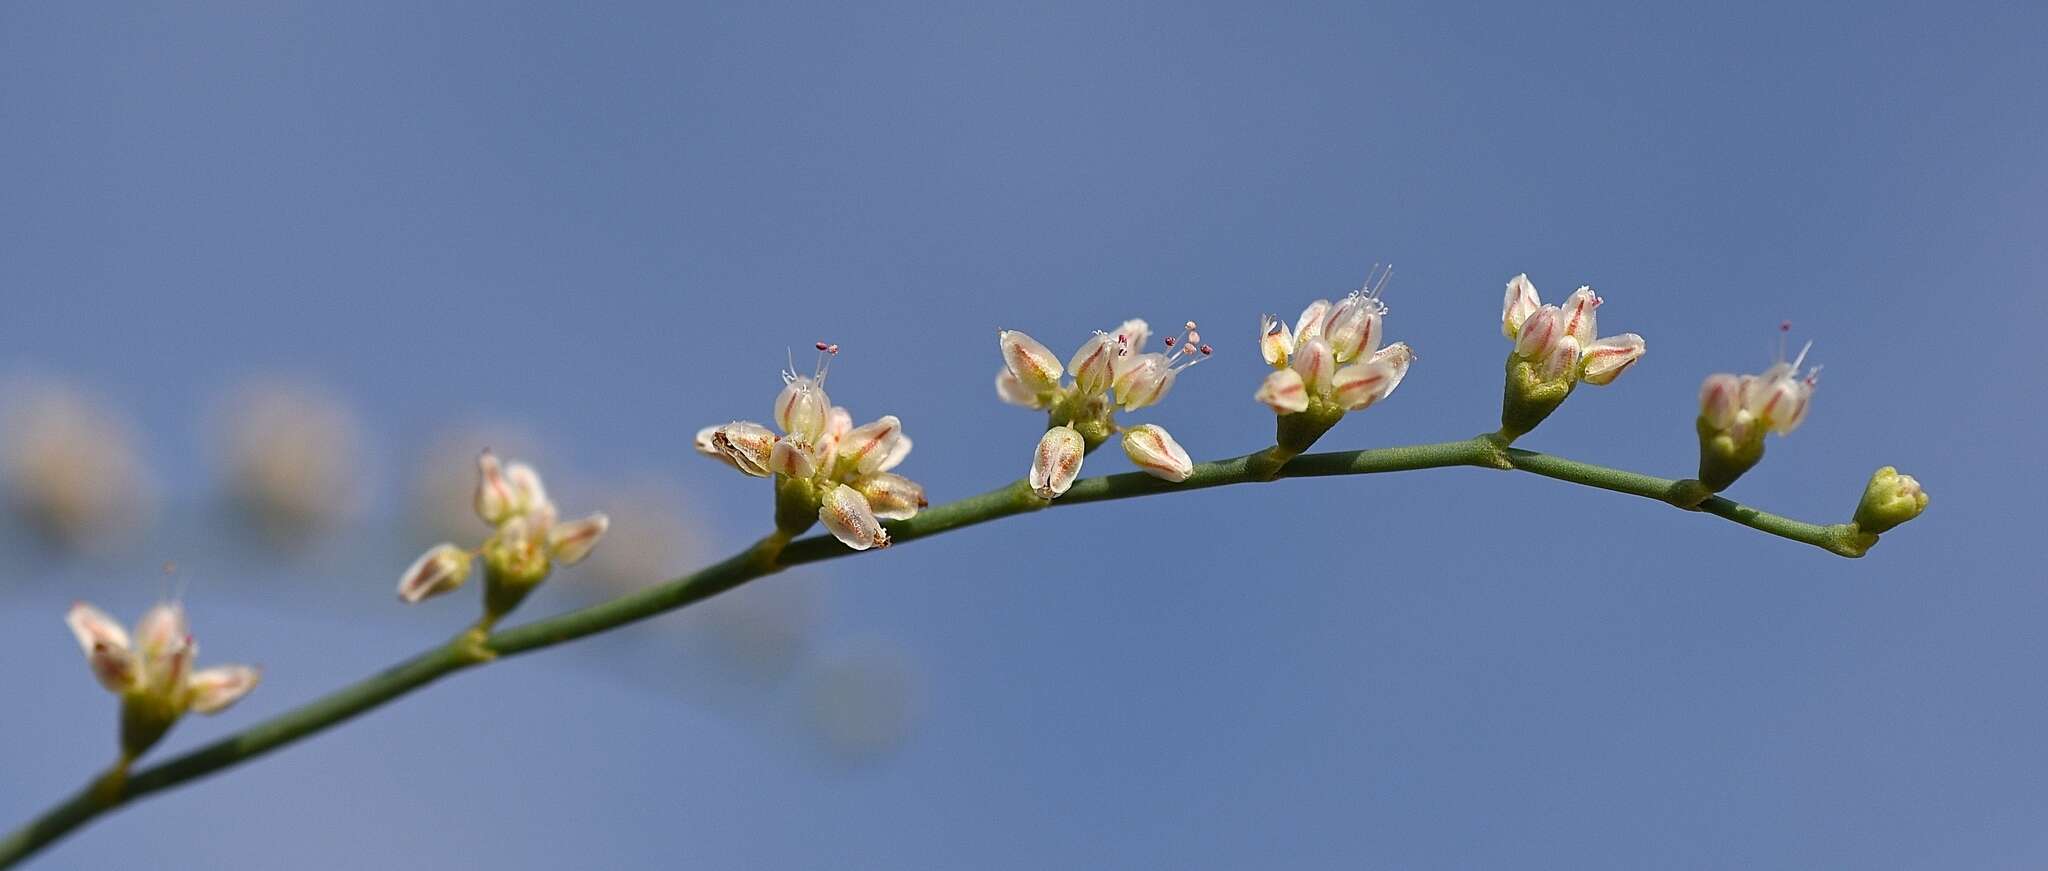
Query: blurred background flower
(292, 460)
(71, 467)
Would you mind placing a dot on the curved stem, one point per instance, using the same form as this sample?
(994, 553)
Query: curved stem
(777, 551)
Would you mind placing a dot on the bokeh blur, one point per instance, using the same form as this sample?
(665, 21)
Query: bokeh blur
(273, 273)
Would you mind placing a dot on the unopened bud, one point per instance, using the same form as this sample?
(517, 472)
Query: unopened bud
(1154, 450)
(1889, 500)
(441, 569)
(1057, 461)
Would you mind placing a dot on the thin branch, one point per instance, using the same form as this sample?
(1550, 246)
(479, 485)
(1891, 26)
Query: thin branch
(776, 553)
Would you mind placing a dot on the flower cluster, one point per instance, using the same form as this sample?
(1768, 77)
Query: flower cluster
(527, 541)
(1330, 363)
(1736, 411)
(1554, 350)
(825, 468)
(153, 673)
(1110, 372)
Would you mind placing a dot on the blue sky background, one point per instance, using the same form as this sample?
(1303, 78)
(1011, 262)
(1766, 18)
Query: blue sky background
(606, 226)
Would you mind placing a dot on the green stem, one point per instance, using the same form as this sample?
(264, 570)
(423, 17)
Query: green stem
(777, 551)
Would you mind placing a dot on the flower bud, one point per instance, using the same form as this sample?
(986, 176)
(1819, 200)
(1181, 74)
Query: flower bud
(1033, 363)
(789, 460)
(1155, 451)
(1316, 363)
(214, 689)
(441, 569)
(892, 496)
(747, 445)
(1607, 358)
(1276, 342)
(1520, 303)
(801, 409)
(1354, 329)
(569, 543)
(1057, 461)
(847, 514)
(1094, 365)
(1889, 500)
(1283, 392)
(494, 497)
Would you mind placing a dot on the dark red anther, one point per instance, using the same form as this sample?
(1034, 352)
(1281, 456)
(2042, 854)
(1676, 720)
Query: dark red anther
(1170, 340)
(1206, 350)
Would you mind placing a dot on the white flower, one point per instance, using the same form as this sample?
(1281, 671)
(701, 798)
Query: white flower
(528, 539)
(847, 467)
(1749, 405)
(1333, 354)
(153, 672)
(1109, 366)
(1560, 340)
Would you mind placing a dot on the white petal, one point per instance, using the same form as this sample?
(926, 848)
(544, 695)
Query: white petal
(1399, 356)
(106, 646)
(214, 689)
(1608, 358)
(1031, 361)
(494, 496)
(1720, 400)
(892, 497)
(1520, 303)
(1311, 323)
(1153, 449)
(570, 542)
(1579, 316)
(790, 460)
(1283, 392)
(1013, 391)
(1316, 362)
(846, 513)
(1057, 461)
(441, 569)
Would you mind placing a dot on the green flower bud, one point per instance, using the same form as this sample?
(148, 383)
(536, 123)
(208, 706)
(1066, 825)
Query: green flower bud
(1889, 500)
(1726, 453)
